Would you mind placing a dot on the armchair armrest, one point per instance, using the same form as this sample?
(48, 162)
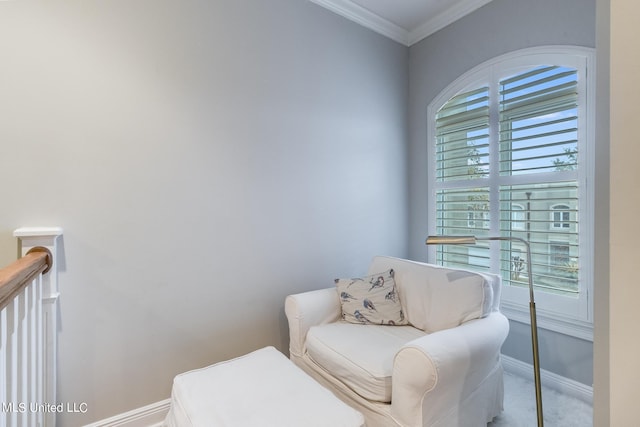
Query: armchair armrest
(309, 309)
(434, 373)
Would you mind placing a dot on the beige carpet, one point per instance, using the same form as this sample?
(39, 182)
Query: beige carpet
(559, 410)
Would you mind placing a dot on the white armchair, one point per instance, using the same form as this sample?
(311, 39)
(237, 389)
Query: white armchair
(442, 369)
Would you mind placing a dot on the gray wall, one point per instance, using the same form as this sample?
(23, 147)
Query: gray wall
(205, 159)
(499, 27)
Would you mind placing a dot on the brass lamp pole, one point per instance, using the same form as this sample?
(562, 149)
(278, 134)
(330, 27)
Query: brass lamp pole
(471, 240)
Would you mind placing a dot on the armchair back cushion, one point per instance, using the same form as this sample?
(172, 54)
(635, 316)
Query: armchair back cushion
(436, 298)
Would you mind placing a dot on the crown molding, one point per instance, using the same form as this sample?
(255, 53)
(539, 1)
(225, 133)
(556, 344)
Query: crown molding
(445, 18)
(362, 16)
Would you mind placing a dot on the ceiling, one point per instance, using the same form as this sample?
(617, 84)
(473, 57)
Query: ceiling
(405, 21)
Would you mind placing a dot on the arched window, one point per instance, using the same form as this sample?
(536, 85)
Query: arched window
(510, 146)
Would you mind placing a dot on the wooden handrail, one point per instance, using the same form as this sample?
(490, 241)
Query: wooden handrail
(15, 277)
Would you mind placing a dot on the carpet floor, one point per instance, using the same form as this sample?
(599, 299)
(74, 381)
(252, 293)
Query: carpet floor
(520, 406)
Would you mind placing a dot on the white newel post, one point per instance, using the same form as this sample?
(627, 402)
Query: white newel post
(28, 238)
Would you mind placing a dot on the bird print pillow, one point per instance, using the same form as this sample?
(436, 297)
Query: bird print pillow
(371, 300)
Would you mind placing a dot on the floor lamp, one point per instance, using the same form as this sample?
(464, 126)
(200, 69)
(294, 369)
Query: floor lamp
(471, 240)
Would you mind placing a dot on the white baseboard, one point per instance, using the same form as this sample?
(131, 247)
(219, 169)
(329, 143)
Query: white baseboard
(549, 379)
(152, 415)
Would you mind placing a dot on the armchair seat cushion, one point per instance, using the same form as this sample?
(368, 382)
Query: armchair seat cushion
(360, 356)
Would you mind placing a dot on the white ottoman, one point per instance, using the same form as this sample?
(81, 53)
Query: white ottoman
(260, 389)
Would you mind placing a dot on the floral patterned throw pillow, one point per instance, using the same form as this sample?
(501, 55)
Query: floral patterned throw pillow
(371, 300)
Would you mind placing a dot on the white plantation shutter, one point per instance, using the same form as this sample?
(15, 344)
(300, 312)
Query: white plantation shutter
(538, 120)
(462, 142)
(462, 153)
(538, 133)
(463, 211)
(508, 159)
(541, 202)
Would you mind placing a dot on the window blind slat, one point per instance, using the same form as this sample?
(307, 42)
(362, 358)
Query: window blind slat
(464, 97)
(463, 117)
(461, 132)
(535, 83)
(453, 158)
(543, 135)
(506, 129)
(451, 143)
(469, 105)
(564, 99)
(534, 72)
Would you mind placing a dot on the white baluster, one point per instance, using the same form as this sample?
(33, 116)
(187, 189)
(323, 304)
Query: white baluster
(45, 329)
